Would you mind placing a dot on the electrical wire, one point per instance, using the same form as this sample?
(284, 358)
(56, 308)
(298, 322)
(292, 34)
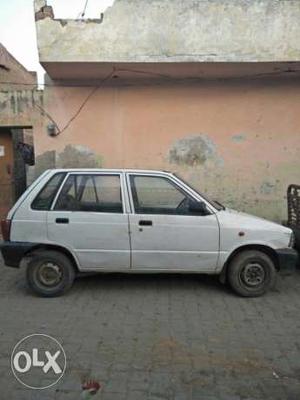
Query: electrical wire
(163, 76)
(43, 111)
(82, 14)
(116, 70)
(93, 91)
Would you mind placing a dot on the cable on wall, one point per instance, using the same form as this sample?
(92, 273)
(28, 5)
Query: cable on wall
(82, 14)
(149, 73)
(92, 92)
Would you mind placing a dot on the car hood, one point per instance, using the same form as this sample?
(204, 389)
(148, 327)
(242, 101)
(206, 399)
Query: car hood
(243, 220)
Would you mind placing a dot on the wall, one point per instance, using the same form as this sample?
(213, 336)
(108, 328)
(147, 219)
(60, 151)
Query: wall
(237, 140)
(19, 109)
(136, 31)
(12, 71)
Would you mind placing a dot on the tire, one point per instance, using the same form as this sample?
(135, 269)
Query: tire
(50, 273)
(251, 273)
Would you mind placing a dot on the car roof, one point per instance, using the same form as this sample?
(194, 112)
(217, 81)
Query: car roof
(120, 170)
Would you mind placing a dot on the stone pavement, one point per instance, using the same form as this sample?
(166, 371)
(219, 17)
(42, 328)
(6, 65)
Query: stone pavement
(159, 337)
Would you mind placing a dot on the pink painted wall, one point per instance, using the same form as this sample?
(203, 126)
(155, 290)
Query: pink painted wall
(239, 141)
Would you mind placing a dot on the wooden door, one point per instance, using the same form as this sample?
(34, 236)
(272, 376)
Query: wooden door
(6, 173)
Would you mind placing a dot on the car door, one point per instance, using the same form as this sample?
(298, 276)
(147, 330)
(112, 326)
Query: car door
(165, 234)
(88, 217)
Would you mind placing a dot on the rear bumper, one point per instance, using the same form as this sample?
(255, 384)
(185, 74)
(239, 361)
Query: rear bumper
(13, 252)
(287, 260)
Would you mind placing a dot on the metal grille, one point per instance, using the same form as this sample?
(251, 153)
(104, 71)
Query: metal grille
(293, 200)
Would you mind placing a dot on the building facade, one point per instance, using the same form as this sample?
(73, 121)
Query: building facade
(18, 95)
(208, 89)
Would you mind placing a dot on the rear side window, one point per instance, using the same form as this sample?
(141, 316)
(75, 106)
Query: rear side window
(46, 196)
(94, 193)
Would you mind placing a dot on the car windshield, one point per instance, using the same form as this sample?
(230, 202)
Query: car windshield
(215, 204)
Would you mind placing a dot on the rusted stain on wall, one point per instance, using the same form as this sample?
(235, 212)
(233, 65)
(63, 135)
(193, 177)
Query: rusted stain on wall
(193, 150)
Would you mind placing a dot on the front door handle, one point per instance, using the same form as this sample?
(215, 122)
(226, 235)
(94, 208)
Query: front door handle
(145, 223)
(62, 220)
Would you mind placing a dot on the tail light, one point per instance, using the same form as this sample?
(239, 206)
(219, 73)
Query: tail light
(5, 228)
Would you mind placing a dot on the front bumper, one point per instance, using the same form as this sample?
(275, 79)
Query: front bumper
(13, 252)
(287, 260)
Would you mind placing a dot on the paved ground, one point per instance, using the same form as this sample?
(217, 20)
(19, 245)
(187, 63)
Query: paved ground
(159, 337)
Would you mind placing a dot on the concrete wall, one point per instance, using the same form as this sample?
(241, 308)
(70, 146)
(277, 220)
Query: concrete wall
(13, 74)
(19, 109)
(19, 98)
(175, 31)
(237, 140)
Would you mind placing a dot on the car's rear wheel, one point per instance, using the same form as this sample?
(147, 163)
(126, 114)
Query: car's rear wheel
(50, 273)
(251, 273)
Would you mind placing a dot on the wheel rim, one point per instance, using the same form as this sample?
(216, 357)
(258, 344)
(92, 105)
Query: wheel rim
(253, 274)
(50, 274)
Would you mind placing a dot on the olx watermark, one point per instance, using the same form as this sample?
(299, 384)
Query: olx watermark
(38, 361)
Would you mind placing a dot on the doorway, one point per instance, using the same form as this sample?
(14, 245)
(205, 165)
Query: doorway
(12, 167)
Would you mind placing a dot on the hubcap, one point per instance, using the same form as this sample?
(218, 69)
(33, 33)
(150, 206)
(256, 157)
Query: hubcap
(50, 274)
(253, 274)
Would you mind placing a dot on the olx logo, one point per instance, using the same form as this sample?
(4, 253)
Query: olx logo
(38, 361)
(34, 361)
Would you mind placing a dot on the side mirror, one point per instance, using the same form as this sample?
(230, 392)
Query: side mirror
(198, 207)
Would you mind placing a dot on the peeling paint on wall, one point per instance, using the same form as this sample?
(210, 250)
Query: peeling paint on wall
(194, 150)
(43, 162)
(239, 138)
(44, 11)
(267, 188)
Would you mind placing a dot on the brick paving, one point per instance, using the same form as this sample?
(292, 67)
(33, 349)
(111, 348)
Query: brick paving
(159, 337)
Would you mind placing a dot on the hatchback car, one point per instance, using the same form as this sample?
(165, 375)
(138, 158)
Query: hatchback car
(134, 221)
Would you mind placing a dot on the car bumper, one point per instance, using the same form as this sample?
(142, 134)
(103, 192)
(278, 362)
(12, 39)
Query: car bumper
(287, 260)
(14, 252)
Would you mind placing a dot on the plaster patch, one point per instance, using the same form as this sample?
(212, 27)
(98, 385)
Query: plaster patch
(193, 150)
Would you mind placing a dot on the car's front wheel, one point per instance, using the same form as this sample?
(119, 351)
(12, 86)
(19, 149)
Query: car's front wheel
(251, 273)
(50, 273)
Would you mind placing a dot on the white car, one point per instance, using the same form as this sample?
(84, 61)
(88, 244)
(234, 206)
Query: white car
(134, 221)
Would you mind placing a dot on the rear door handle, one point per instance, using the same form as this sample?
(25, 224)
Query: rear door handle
(62, 220)
(145, 223)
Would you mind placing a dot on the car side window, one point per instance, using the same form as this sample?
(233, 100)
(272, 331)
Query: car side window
(158, 195)
(89, 193)
(44, 199)
(94, 193)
